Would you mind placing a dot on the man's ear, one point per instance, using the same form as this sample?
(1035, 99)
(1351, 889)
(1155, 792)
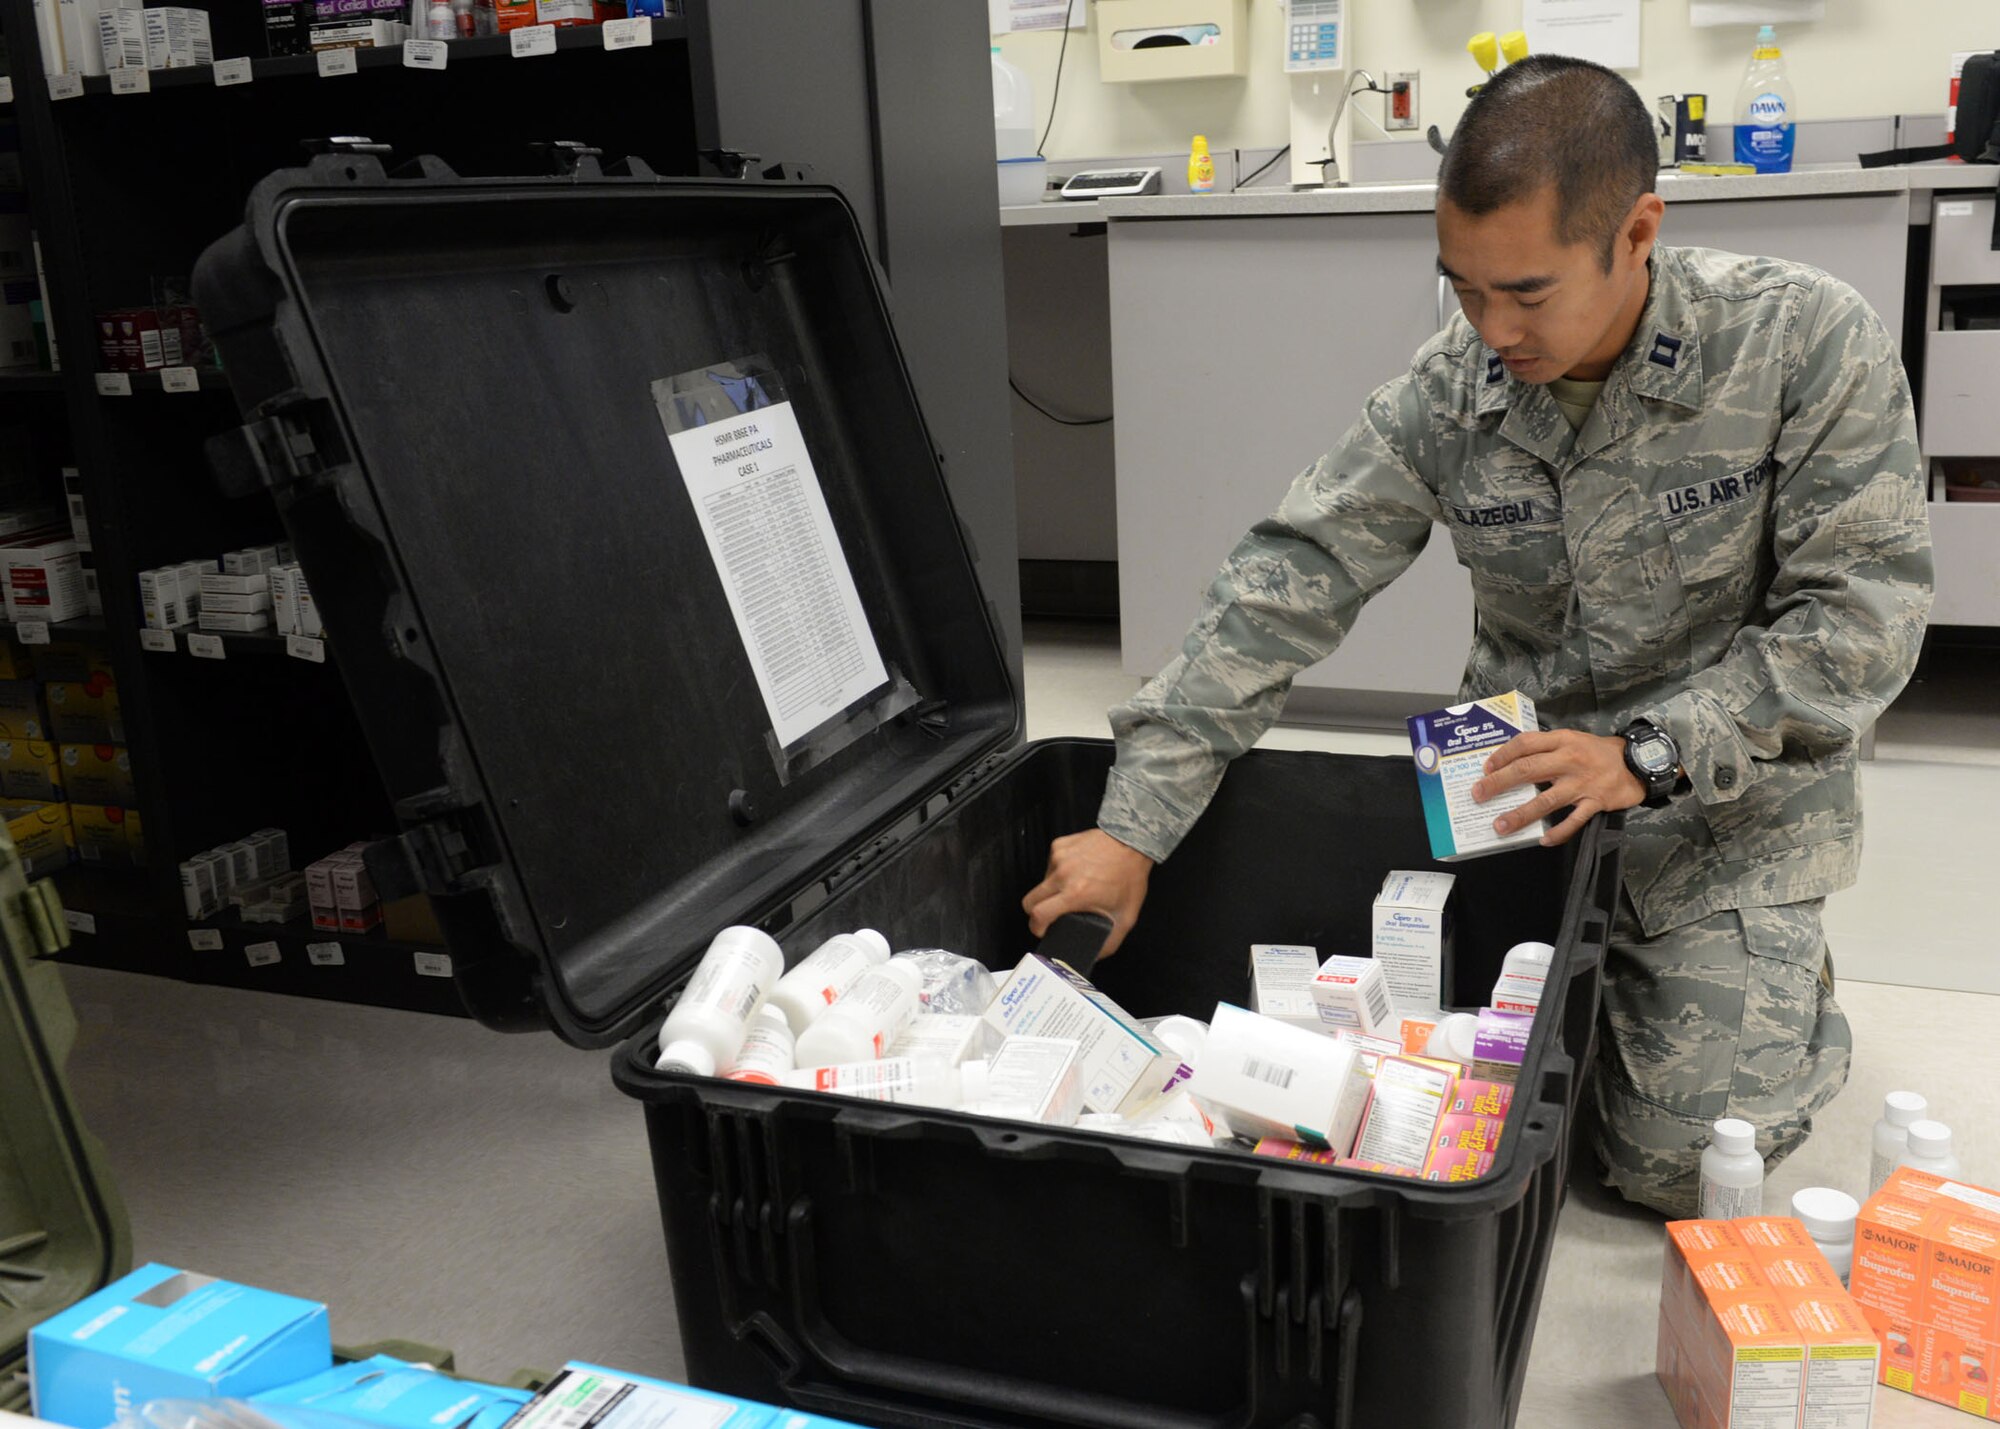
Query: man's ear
(1641, 229)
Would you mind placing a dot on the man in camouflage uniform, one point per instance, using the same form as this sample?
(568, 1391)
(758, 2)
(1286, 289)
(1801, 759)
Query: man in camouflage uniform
(1687, 489)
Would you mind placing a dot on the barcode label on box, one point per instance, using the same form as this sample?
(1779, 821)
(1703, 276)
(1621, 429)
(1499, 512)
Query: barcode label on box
(159, 641)
(307, 647)
(32, 632)
(179, 379)
(205, 940)
(628, 34)
(65, 86)
(532, 40)
(261, 955)
(79, 921)
(432, 964)
(113, 384)
(1276, 1073)
(1378, 1001)
(424, 54)
(206, 647)
(325, 955)
(236, 71)
(131, 81)
(332, 62)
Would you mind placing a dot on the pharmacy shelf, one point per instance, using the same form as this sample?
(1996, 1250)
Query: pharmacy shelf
(302, 961)
(22, 382)
(289, 67)
(210, 379)
(87, 628)
(233, 643)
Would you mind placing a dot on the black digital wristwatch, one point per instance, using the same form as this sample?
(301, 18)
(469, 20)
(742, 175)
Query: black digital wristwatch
(1654, 759)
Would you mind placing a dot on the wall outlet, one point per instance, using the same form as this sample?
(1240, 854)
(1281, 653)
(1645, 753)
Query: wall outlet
(1401, 104)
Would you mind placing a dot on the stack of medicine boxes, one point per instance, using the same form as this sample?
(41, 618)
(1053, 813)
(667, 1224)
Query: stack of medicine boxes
(252, 874)
(66, 791)
(235, 595)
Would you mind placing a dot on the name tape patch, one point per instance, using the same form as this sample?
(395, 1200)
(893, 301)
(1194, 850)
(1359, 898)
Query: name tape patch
(1526, 512)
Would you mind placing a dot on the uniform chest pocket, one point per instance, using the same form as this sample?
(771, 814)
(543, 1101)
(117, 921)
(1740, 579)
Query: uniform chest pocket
(1719, 529)
(1516, 554)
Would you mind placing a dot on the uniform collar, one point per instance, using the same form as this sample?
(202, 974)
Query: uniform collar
(1663, 362)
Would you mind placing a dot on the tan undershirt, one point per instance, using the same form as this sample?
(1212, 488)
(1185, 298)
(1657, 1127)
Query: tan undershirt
(1575, 398)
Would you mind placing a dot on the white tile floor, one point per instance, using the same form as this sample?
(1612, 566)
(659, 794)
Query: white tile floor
(430, 1179)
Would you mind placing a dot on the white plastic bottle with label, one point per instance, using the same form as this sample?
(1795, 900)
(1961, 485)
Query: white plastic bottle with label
(1828, 1216)
(1732, 1173)
(768, 1052)
(705, 1030)
(1524, 972)
(1892, 1135)
(827, 974)
(914, 1080)
(860, 1027)
(1930, 1150)
(1454, 1038)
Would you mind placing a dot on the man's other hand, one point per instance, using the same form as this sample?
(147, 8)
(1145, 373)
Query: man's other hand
(1585, 773)
(1090, 872)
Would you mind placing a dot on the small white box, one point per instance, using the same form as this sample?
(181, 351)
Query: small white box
(213, 584)
(216, 604)
(1281, 983)
(198, 890)
(1032, 1079)
(1450, 747)
(160, 600)
(170, 36)
(234, 624)
(190, 574)
(44, 579)
(309, 621)
(274, 852)
(1269, 1078)
(1412, 932)
(83, 50)
(284, 600)
(1352, 993)
(121, 37)
(1124, 1068)
(356, 34)
(1405, 1100)
(941, 1037)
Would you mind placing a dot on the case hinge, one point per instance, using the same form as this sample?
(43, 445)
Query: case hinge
(42, 913)
(286, 445)
(427, 858)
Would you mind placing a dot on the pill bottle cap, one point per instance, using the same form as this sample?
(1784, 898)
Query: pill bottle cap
(1930, 1138)
(874, 942)
(1733, 1137)
(1902, 1108)
(687, 1056)
(1828, 1215)
(1535, 954)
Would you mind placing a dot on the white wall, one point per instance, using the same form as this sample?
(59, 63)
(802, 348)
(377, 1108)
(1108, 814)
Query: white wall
(1867, 58)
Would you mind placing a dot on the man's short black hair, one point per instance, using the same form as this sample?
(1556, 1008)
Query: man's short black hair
(1552, 120)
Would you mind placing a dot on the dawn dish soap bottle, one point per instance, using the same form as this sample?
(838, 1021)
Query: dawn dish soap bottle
(1767, 112)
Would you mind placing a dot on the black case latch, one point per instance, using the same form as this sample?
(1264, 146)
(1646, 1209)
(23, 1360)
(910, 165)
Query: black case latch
(427, 858)
(287, 444)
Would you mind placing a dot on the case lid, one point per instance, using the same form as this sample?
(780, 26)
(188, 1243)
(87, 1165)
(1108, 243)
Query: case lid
(630, 540)
(63, 1232)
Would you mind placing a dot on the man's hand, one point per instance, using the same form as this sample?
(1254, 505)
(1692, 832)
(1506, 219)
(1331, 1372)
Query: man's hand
(1090, 872)
(1585, 773)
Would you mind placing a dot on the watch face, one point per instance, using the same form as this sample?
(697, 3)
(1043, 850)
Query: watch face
(1654, 754)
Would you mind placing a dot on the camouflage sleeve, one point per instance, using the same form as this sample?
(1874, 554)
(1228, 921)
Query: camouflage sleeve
(1845, 612)
(1351, 523)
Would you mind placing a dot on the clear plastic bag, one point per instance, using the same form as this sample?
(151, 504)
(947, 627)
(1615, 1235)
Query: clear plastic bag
(953, 984)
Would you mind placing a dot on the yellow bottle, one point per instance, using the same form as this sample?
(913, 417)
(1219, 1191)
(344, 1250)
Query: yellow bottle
(1201, 168)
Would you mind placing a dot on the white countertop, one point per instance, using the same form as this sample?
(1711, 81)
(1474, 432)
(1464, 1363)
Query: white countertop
(1810, 182)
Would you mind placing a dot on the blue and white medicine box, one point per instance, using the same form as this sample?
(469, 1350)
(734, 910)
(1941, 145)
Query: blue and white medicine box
(587, 1397)
(162, 1333)
(1451, 746)
(390, 1394)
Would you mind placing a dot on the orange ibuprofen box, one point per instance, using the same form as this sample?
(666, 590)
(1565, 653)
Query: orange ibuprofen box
(1843, 1358)
(1763, 1235)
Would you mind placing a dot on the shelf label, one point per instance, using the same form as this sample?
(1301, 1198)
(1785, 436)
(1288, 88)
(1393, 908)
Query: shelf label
(306, 647)
(326, 955)
(159, 641)
(179, 379)
(627, 34)
(332, 62)
(79, 921)
(424, 54)
(206, 647)
(261, 955)
(65, 86)
(114, 384)
(532, 40)
(205, 940)
(6, 89)
(32, 632)
(432, 964)
(1954, 210)
(236, 71)
(131, 81)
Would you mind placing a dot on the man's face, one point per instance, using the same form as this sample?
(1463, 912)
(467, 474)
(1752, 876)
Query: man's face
(1550, 309)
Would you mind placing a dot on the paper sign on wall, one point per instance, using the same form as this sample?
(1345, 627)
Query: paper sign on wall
(1703, 14)
(1603, 31)
(768, 529)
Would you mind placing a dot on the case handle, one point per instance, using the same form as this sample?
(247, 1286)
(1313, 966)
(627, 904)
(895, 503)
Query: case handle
(1076, 940)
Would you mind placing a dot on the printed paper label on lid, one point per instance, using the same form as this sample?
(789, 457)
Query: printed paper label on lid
(131, 81)
(6, 89)
(745, 463)
(236, 71)
(206, 647)
(261, 955)
(205, 940)
(628, 34)
(65, 86)
(179, 379)
(307, 647)
(1954, 210)
(325, 955)
(32, 632)
(159, 641)
(532, 40)
(424, 54)
(114, 384)
(432, 964)
(332, 62)
(79, 922)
